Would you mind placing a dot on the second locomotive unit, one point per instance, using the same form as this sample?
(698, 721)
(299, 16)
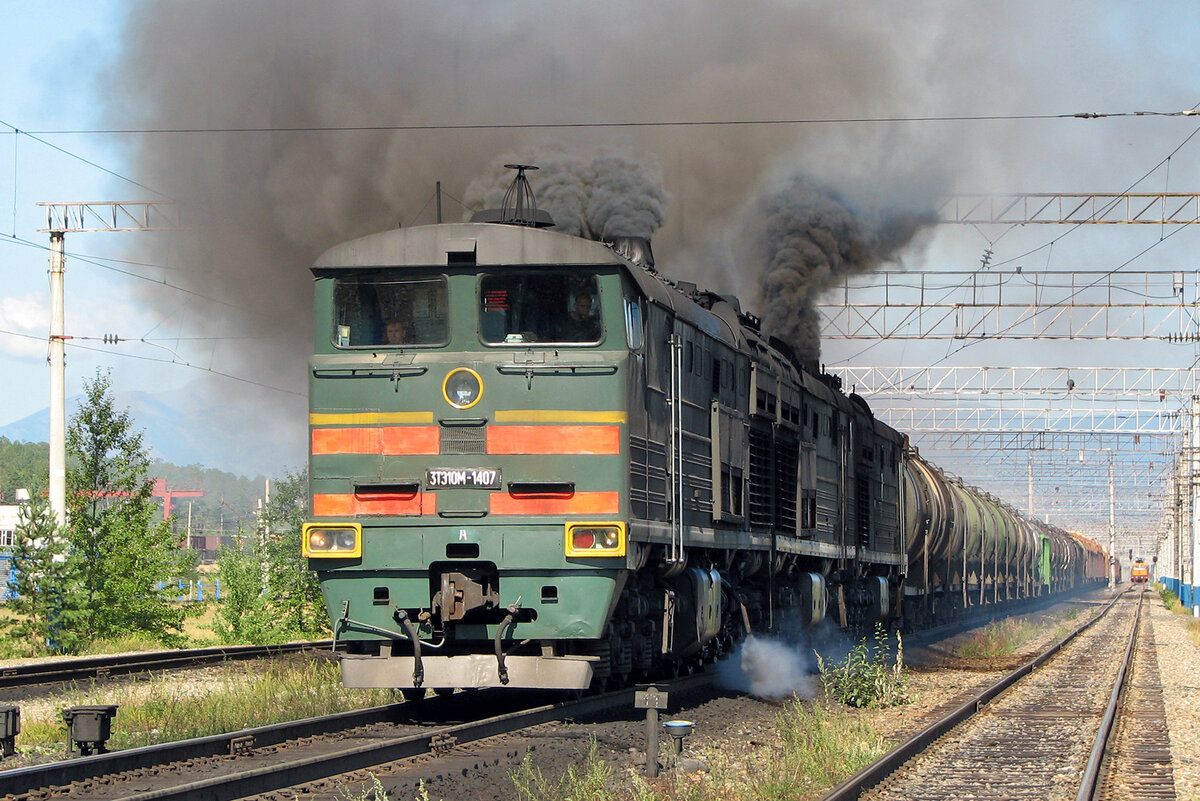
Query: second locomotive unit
(535, 462)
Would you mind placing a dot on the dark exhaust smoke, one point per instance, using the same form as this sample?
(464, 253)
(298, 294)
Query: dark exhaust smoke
(611, 195)
(807, 240)
(310, 124)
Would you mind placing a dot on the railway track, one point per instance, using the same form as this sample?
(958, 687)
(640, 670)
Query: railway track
(1085, 708)
(99, 667)
(263, 760)
(1138, 757)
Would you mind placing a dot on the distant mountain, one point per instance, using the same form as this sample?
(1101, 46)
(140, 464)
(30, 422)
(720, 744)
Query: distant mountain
(249, 431)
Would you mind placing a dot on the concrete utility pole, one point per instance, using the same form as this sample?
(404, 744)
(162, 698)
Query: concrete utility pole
(1195, 499)
(79, 217)
(58, 378)
(1112, 526)
(1030, 477)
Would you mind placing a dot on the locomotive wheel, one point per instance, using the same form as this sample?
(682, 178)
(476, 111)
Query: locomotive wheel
(413, 694)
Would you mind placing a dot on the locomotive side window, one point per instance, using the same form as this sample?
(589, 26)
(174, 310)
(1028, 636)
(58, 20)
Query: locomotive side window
(633, 324)
(389, 308)
(516, 308)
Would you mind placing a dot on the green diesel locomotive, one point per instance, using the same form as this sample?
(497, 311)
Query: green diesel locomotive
(536, 462)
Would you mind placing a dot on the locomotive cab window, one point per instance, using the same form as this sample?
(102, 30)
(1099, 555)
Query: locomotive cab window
(389, 308)
(548, 306)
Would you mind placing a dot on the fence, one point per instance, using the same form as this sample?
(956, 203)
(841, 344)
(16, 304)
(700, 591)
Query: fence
(1184, 591)
(196, 590)
(188, 591)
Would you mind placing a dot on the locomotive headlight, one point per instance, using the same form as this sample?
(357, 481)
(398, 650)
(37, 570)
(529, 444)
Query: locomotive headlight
(595, 539)
(331, 540)
(462, 388)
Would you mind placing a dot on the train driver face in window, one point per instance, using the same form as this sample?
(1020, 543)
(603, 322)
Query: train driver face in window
(397, 332)
(582, 308)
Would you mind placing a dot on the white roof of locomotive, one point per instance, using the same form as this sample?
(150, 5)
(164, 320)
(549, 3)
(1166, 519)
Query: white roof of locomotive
(492, 244)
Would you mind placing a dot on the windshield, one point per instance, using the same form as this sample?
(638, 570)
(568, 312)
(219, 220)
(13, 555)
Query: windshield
(544, 306)
(389, 308)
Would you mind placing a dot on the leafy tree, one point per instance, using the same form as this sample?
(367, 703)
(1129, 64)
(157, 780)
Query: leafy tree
(244, 615)
(46, 584)
(292, 588)
(23, 465)
(125, 553)
(268, 594)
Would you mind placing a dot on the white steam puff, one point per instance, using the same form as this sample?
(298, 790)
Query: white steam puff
(767, 668)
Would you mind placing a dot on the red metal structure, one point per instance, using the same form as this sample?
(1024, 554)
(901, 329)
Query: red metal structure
(169, 495)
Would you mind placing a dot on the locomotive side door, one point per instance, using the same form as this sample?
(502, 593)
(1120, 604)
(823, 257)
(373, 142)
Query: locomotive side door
(650, 449)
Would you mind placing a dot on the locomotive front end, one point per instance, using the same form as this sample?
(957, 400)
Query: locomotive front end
(468, 455)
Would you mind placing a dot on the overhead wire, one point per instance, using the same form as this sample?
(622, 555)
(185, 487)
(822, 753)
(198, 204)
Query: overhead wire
(34, 135)
(437, 127)
(74, 342)
(161, 282)
(183, 363)
(952, 351)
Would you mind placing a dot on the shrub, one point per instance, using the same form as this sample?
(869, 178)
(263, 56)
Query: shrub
(864, 679)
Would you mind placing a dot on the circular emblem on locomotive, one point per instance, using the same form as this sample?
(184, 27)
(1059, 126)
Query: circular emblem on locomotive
(462, 388)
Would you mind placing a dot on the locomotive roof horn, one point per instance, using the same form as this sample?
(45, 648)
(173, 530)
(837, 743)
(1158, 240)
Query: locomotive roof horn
(519, 206)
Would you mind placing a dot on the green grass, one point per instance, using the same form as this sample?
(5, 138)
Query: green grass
(1174, 605)
(818, 746)
(152, 711)
(590, 782)
(998, 638)
(1169, 599)
(197, 630)
(818, 743)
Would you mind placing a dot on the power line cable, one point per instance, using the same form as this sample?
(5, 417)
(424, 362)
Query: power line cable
(1085, 115)
(182, 364)
(74, 341)
(77, 157)
(110, 268)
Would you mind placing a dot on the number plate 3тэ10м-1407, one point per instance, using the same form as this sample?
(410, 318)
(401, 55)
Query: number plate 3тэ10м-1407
(463, 477)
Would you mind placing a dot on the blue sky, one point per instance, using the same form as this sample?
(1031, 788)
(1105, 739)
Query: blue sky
(49, 57)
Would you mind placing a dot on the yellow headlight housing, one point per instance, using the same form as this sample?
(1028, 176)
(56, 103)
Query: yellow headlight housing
(595, 539)
(462, 388)
(331, 540)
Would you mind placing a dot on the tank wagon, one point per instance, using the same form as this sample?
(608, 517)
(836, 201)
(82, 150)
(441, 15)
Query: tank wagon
(968, 548)
(536, 462)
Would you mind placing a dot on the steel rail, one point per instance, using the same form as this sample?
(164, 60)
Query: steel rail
(876, 772)
(26, 779)
(1087, 788)
(277, 775)
(101, 666)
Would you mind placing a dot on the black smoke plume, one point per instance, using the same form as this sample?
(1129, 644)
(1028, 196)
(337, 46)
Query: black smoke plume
(806, 241)
(284, 128)
(611, 194)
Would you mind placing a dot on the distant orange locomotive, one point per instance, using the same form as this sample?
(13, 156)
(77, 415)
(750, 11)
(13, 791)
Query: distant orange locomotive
(1140, 572)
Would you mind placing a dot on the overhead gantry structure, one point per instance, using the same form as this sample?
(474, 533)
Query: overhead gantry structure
(1073, 441)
